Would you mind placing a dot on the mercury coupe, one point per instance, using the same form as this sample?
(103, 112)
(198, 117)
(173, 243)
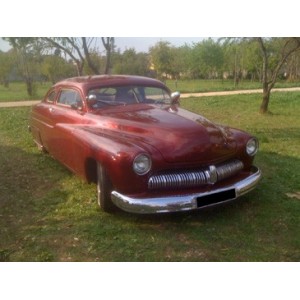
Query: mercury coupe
(146, 154)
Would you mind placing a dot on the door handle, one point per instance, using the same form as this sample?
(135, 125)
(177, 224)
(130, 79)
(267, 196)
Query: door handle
(51, 109)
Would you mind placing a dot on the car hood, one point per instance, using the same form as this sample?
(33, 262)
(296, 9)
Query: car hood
(179, 135)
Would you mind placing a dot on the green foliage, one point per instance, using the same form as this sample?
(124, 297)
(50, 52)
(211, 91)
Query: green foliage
(27, 53)
(180, 62)
(6, 65)
(131, 63)
(161, 56)
(243, 59)
(169, 61)
(97, 60)
(55, 68)
(48, 214)
(230, 58)
(207, 59)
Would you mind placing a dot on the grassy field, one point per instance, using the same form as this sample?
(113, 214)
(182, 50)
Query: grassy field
(48, 214)
(17, 92)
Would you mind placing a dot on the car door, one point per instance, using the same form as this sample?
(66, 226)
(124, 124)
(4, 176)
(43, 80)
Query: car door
(41, 122)
(68, 112)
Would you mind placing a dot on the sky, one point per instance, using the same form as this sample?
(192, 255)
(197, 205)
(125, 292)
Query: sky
(140, 44)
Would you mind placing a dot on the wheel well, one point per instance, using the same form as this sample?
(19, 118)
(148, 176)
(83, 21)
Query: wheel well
(91, 170)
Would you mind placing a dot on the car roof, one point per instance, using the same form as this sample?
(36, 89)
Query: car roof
(87, 82)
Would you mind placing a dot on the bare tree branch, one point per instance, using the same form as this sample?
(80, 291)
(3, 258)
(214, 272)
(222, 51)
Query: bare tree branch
(88, 58)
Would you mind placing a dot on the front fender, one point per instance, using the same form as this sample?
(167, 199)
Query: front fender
(116, 155)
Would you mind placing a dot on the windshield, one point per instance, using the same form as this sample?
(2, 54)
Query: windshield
(125, 95)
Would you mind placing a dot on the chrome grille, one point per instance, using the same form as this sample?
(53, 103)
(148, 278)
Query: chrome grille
(229, 169)
(195, 178)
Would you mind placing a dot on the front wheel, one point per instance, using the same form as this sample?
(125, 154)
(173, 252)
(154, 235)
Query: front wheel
(104, 188)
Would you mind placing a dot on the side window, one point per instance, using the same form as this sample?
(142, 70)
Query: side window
(69, 97)
(51, 97)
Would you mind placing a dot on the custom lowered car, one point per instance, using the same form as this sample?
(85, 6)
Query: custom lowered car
(129, 135)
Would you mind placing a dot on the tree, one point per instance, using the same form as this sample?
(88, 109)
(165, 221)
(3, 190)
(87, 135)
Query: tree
(207, 59)
(293, 67)
(81, 50)
(211, 57)
(92, 63)
(273, 61)
(28, 52)
(131, 63)
(252, 60)
(96, 60)
(180, 61)
(233, 52)
(109, 44)
(55, 68)
(6, 65)
(161, 58)
(71, 47)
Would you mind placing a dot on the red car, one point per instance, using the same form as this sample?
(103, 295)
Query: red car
(129, 135)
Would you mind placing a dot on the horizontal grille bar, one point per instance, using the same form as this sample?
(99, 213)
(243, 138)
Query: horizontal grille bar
(195, 178)
(229, 169)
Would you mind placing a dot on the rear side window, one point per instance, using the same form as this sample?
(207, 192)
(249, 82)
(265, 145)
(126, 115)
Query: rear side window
(51, 97)
(69, 97)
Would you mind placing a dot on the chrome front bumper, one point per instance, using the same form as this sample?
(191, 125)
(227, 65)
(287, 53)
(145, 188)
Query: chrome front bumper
(187, 202)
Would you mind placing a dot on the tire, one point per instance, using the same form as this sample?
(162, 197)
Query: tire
(104, 188)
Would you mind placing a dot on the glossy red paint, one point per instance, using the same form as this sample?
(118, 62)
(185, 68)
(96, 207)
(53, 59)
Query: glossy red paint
(80, 135)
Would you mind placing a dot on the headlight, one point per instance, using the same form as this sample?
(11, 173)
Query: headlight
(252, 146)
(142, 164)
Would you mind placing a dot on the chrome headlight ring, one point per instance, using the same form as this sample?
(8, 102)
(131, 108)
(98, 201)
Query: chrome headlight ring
(252, 147)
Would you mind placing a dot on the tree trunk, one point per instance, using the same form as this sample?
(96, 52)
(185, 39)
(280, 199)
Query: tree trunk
(107, 66)
(79, 67)
(266, 90)
(291, 46)
(92, 66)
(109, 46)
(29, 86)
(265, 102)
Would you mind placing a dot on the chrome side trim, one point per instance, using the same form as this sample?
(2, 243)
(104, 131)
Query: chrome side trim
(182, 202)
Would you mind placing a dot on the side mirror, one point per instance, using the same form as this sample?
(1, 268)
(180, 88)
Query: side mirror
(91, 100)
(92, 97)
(175, 98)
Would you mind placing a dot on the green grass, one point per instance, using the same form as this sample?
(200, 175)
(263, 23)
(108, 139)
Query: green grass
(17, 92)
(48, 214)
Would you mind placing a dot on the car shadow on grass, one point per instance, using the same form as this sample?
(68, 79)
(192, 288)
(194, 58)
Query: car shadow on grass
(26, 182)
